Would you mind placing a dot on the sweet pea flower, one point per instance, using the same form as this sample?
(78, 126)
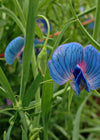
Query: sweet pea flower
(14, 50)
(16, 47)
(43, 25)
(79, 65)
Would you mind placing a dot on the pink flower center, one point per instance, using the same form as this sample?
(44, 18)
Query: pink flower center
(82, 65)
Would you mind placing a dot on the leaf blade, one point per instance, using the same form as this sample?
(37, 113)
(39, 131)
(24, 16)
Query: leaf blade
(32, 90)
(5, 84)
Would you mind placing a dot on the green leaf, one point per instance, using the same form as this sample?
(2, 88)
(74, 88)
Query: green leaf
(7, 137)
(89, 130)
(75, 135)
(24, 125)
(46, 102)
(32, 90)
(5, 84)
(39, 32)
(53, 135)
(43, 3)
(46, 97)
(24, 137)
(25, 8)
(14, 17)
(96, 31)
(3, 92)
(70, 99)
(61, 130)
(20, 12)
(30, 31)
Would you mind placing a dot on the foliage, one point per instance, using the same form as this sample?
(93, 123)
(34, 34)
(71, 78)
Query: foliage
(41, 109)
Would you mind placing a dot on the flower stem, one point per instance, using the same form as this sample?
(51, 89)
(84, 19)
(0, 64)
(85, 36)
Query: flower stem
(41, 16)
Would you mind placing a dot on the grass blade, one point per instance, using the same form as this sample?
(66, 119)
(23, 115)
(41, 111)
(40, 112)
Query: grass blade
(46, 103)
(5, 84)
(96, 33)
(77, 120)
(32, 90)
(20, 12)
(7, 137)
(14, 17)
(30, 31)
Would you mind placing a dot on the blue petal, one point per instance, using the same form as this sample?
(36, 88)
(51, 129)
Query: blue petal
(92, 60)
(63, 61)
(12, 49)
(79, 81)
(41, 20)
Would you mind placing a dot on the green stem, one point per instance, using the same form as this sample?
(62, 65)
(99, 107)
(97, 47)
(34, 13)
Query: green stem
(95, 43)
(41, 16)
(20, 12)
(62, 91)
(7, 109)
(41, 46)
(83, 13)
(86, 11)
(45, 133)
(96, 33)
(35, 72)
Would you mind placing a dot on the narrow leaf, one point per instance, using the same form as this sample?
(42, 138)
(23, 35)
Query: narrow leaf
(3, 92)
(25, 8)
(14, 17)
(32, 90)
(89, 130)
(7, 137)
(77, 120)
(5, 84)
(30, 31)
(70, 99)
(20, 12)
(96, 31)
(39, 32)
(46, 102)
(24, 125)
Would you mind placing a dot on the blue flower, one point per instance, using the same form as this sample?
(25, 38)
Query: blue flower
(14, 50)
(16, 47)
(80, 66)
(43, 25)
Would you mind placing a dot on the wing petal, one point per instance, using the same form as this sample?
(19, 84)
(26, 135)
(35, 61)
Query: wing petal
(92, 60)
(63, 61)
(12, 49)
